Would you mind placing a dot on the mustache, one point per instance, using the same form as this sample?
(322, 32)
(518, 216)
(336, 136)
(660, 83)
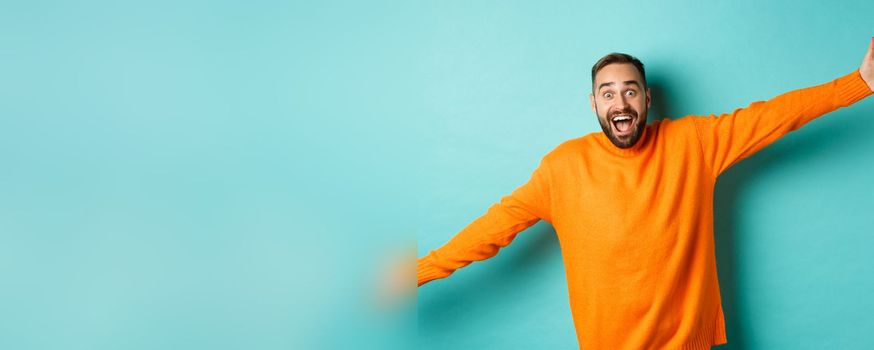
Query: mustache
(626, 110)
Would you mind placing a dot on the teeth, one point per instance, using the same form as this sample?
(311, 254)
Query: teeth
(621, 118)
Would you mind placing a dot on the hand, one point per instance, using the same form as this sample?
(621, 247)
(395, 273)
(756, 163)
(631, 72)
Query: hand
(396, 286)
(867, 68)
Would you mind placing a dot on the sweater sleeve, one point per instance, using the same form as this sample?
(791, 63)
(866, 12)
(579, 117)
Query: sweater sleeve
(731, 137)
(482, 238)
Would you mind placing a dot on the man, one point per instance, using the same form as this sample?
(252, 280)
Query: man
(632, 207)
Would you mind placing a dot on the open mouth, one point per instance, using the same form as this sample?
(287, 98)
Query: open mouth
(622, 124)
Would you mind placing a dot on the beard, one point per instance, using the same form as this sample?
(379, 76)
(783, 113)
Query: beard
(626, 141)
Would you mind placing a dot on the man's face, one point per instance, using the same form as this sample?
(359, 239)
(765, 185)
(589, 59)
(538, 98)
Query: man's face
(620, 102)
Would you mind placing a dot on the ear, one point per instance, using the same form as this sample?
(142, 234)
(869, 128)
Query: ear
(648, 98)
(592, 102)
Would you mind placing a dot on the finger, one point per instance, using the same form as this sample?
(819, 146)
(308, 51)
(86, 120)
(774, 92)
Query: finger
(870, 54)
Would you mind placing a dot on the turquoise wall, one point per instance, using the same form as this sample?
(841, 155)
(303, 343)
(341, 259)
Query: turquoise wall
(794, 224)
(204, 174)
(232, 175)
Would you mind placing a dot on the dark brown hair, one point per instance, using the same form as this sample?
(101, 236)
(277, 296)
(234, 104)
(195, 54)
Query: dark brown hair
(616, 57)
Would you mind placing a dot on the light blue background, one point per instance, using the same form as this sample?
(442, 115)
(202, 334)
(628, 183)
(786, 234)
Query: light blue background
(204, 174)
(229, 175)
(507, 83)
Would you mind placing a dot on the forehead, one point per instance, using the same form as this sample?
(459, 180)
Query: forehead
(617, 73)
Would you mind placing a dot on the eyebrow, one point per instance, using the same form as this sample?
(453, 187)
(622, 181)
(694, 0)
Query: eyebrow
(627, 82)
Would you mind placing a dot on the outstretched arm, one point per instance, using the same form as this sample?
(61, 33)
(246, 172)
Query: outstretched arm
(483, 237)
(731, 137)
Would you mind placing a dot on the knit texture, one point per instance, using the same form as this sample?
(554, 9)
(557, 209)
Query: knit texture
(636, 225)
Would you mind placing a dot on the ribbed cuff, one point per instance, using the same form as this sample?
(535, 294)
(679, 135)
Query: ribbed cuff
(426, 271)
(851, 88)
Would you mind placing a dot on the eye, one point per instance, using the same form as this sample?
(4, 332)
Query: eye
(608, 95)
(630, 93)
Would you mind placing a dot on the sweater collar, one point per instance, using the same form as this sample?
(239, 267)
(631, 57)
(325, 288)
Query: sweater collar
(638, 147)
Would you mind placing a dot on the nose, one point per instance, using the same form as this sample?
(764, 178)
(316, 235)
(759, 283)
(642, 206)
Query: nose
(622, 102)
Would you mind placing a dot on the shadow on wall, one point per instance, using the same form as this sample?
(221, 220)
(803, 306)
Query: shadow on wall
(492, 284)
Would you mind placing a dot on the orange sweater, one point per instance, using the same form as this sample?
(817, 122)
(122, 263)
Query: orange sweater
(635, 225)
